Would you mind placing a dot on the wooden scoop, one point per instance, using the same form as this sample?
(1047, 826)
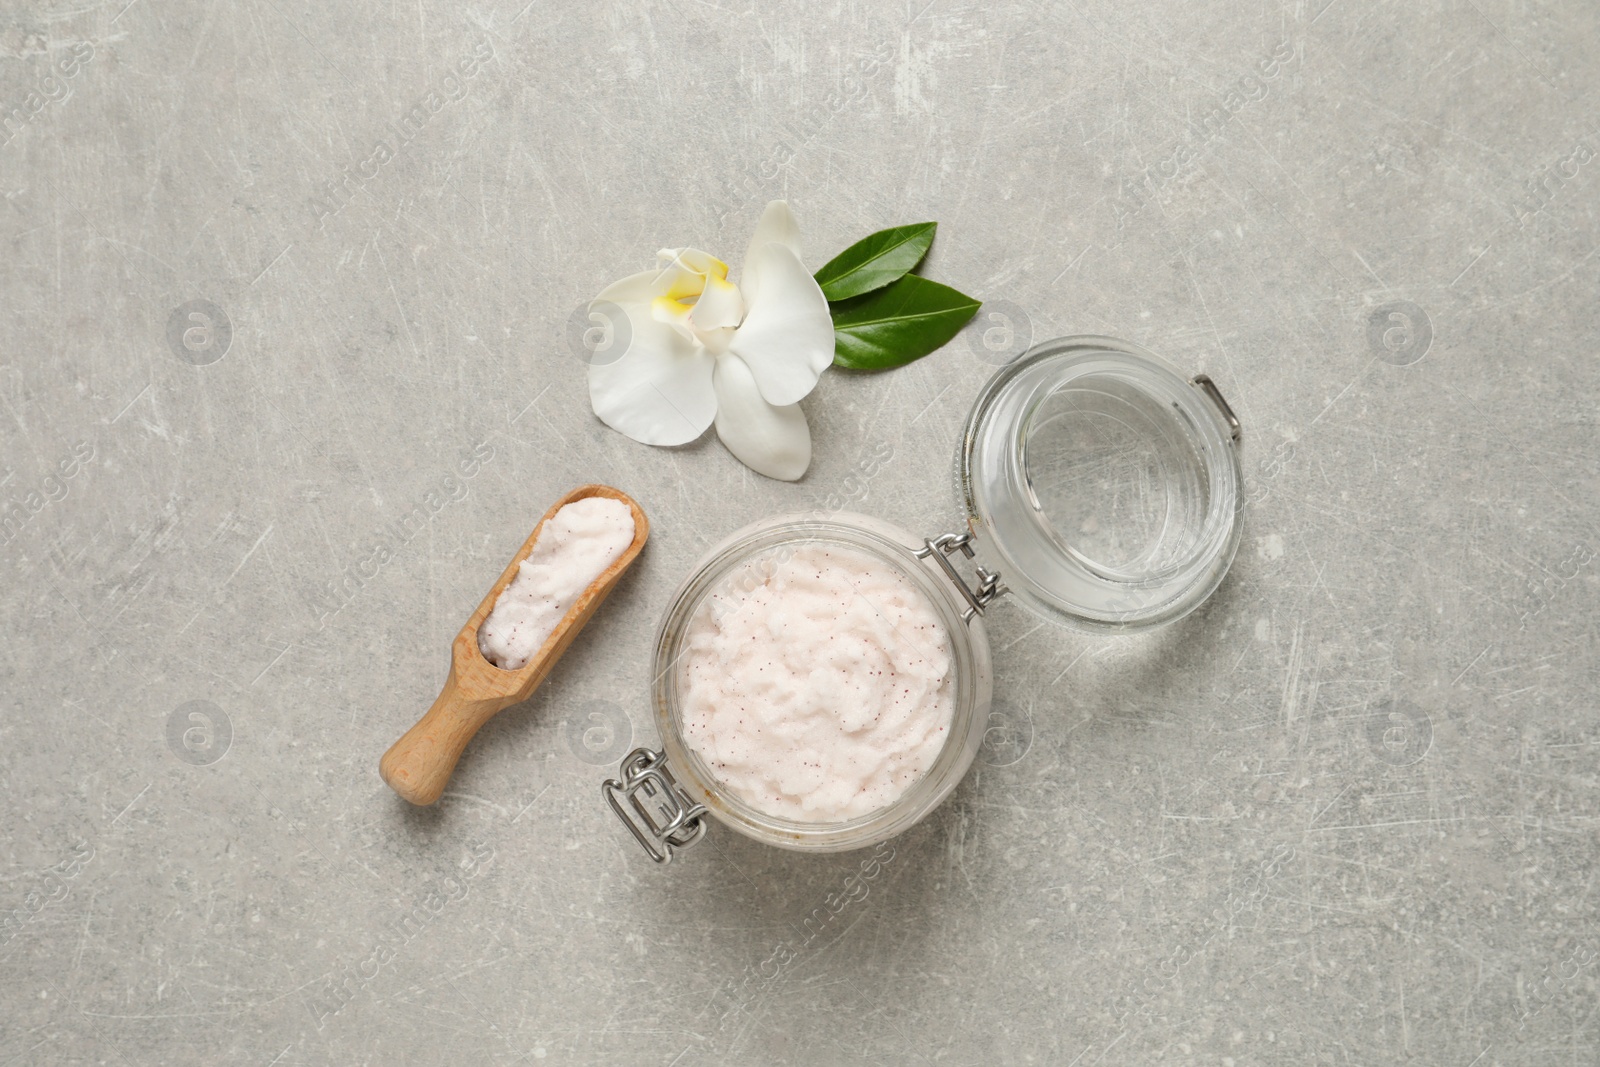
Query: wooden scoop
(419, 764)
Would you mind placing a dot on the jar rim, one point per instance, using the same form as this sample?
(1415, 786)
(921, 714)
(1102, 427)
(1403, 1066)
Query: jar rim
(970, 665)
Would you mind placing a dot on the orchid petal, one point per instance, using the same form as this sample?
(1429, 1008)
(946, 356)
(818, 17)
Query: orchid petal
(684, 272)
(673, 313)
(694, 260)
(719, 305)
(774, 441)
(787, 333)
(716, 341)
(777, 225)
(634, 289)
(659, 391)
(673, 279)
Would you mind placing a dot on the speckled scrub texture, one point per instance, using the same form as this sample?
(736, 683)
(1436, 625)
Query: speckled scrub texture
(816, 683)
(575, 547)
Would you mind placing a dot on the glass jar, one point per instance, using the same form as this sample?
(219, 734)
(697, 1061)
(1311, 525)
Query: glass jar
(1101, 486)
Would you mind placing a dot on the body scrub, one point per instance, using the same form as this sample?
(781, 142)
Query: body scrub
(576, 545)
(816, 684)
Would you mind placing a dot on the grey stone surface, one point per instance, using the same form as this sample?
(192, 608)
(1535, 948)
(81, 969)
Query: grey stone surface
(1346, 814)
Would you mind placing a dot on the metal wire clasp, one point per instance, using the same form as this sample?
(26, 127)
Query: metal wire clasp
(658, 813)
(1204, 383)
(940, 549)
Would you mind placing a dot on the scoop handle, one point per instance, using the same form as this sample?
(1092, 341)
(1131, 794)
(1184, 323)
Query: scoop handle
(419, 764)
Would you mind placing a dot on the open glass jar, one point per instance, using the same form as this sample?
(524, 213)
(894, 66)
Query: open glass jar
(1101, 487)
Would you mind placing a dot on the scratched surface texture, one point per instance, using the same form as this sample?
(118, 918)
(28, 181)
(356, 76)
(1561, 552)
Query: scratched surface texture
(287, 371)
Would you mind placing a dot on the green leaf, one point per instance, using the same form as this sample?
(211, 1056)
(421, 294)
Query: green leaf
(893, 326)
(875, 261)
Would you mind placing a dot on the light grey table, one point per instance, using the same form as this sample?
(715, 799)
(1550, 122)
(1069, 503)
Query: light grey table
(1345, 814)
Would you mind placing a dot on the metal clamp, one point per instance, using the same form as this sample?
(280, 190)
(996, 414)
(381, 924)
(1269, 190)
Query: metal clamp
(940, 549)
(1204, 383)
(660, 815)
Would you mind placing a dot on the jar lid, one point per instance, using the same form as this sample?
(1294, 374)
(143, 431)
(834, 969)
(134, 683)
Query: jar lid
(1103, 485)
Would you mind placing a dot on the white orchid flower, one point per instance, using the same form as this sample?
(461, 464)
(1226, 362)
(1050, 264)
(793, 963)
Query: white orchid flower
(702, 350)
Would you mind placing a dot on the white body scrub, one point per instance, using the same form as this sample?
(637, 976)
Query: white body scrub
(576, 545)
(816, 687)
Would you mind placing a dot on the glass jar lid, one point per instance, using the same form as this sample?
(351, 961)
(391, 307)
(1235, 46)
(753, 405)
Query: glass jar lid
(1103, 485)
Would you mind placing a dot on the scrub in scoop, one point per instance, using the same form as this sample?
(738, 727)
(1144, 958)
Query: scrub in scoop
(578, 543)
